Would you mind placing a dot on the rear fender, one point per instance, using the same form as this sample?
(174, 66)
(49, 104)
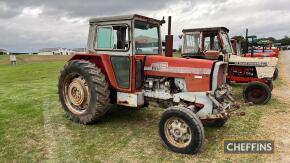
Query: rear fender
(103, 63)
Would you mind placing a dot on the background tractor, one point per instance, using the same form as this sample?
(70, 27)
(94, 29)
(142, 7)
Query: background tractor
(262, 48)
(213, 43)
(125, 66)
(255, 52)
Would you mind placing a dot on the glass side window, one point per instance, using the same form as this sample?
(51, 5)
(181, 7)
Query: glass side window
(146, 38)
(191, 42)
(113, 38)
(121, 67)
(211, 41)
(226, 41)
(104, 38)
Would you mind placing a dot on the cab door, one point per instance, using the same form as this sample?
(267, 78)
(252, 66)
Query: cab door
(113, 40)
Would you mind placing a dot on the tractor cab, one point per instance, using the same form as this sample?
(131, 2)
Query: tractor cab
(125, 35)
(123, 43)
(209, 43)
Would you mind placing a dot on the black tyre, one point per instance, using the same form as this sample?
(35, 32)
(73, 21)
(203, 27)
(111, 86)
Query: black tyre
(181, 130)
(270, 85)
(276, 74)
(257, 93)
(83, 92)
(216, 123)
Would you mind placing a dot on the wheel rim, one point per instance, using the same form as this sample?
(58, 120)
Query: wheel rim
(76, 93)
(257, 95)
(177, 132)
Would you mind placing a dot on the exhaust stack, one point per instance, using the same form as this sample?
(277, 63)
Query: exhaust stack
(169, 40)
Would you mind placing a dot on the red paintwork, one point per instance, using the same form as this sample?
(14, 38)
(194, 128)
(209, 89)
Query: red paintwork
(245, 79)
(265, 54)
(193, 85)
(242, 78)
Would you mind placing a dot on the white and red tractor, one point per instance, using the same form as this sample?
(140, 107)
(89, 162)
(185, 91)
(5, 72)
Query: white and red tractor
(214, 44)
(125, 66)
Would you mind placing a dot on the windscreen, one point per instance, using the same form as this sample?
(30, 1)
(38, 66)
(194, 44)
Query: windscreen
(146, 38)
(191, 43)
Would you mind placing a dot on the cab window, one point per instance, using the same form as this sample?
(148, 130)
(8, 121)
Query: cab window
(146, 37)
(191, 42)
(211, 41)
(112, 38)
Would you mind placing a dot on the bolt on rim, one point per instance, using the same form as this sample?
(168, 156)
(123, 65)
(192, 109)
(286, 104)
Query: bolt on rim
(177, 132)
(76, 93)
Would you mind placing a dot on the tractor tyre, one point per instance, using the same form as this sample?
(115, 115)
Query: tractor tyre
(83, 92)
(270, 85)
(181, 130)
(276, 74)
(216, 123)
(257, 93)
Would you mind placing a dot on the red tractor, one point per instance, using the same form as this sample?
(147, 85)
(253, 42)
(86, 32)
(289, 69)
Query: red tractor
(237, 50)
(125, 66)
(265, 48)
(214, 44)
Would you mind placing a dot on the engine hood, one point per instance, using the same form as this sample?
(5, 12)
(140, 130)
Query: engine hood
(257, 61)
(178, 65)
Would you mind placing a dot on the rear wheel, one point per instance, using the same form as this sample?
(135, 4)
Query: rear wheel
(270, 85)
(276, 74)
(181, 130)
(83, 92)
(257, 93)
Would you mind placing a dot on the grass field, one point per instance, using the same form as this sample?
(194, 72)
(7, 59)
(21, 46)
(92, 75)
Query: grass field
(33, 127)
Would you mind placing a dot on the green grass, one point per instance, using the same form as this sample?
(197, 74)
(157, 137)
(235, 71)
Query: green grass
(33, 127)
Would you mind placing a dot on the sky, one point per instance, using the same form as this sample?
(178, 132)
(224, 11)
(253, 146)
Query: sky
(29, 25)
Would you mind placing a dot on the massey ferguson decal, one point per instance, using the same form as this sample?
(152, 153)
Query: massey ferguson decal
(258, 64)
(163, 67)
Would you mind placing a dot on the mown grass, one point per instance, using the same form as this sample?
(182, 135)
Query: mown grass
(33, 127)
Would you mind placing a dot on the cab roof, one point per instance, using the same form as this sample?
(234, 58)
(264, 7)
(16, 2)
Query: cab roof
(206, 29)
(123, 17)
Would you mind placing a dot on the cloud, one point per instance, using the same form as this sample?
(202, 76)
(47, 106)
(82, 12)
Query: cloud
(33, 24)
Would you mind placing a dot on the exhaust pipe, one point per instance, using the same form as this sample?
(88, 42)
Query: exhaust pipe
(169, 40)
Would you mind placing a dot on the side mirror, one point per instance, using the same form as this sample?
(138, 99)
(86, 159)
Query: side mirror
(180, 36)
(162, 21)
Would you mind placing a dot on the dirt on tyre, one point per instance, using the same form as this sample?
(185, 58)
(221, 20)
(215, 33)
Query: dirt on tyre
(276, 74)
(181, 130)
(83, 92)
(257, 93)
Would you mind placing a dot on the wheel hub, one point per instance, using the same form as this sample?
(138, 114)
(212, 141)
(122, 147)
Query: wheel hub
(77, 92)
(177, 132)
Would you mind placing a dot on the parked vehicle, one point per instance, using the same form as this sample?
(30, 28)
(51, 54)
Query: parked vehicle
(214, 43)
(124, 65)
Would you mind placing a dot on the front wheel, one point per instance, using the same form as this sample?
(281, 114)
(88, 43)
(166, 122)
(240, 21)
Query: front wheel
(257, 93)
(181, 130)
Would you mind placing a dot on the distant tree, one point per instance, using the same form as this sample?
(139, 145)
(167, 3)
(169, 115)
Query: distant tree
(284, 41)
(271, 39)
